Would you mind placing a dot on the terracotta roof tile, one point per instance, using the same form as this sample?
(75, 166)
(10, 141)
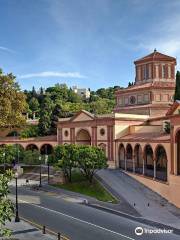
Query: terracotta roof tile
(152, 136)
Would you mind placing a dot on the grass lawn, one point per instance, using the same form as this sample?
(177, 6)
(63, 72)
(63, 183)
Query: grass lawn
(81, 185)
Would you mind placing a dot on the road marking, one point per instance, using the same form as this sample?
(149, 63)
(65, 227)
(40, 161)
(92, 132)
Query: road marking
(77, 219)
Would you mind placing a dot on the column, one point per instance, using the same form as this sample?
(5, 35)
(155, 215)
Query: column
(154, 169)
(133, 163)
(125, 162)
(143, 165)
(60, 140)
(72, 135)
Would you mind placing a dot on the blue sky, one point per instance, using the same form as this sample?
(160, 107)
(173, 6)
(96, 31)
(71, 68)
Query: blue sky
(89, 43)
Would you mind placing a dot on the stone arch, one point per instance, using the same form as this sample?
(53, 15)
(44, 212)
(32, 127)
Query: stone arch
(177, 140)
(46, 149)
(129, 157)
(138, 158)
(83, 137)
(122, 155)
(148, 161)
(32, 147)
(161, 162)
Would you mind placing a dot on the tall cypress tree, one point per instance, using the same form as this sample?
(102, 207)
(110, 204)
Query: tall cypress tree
(56, 114)
(45, 116)
(177, 91)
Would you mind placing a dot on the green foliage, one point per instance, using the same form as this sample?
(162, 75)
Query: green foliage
(45, 116)
(34, 104)
(102, 106)
(30, 131)
(81, 185)
(13, 133)
(167, 127)
(177, 90)
(12, 102)
(90, 160)
(9, 153)
(6, 206)
(87, 158)
(67, 156)
(31, 157)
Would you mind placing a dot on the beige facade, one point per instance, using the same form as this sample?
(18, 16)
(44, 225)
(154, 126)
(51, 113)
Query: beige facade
(135, 137)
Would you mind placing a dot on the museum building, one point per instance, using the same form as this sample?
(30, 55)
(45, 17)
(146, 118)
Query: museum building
(142, 135)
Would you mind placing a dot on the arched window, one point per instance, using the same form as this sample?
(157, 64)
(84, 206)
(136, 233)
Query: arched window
(121, 156)
(161, 163)
(83, 137)
(148, 161)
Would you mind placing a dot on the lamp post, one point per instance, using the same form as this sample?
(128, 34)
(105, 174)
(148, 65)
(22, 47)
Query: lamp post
(40, 182)
(4, 157)
(17, 219)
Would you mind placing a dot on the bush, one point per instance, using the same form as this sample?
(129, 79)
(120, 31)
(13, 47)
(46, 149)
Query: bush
(87, 158)
(30, 131)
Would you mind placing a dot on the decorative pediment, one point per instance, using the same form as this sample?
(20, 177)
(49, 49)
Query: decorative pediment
(82, 116)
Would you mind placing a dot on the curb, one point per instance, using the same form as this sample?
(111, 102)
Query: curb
(40, 227)
(137, 219)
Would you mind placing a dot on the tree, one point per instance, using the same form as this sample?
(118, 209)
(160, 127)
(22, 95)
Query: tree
(45, 116)
(34, 104)
(6, 206)
(67, 158)
(31, 157)
(56, 114)
(177, 90)
(12, 102)
(91, 159)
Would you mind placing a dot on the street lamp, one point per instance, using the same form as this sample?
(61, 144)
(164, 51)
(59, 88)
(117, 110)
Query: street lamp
(4, 157)
(17, 219)
(40, 184)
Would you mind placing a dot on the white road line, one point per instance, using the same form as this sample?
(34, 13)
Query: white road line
(77, 219)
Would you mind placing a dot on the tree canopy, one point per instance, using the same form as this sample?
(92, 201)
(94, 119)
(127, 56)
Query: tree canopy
(12, 102)
(177, 90)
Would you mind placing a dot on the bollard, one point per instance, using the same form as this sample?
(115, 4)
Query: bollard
(59, 236)
(44, 230)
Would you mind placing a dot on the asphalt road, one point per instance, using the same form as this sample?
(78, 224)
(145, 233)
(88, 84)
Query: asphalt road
(77, 221)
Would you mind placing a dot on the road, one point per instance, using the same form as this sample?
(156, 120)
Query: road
(77, 221)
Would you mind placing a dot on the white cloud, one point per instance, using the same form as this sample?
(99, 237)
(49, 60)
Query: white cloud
(6, 49)
(53, 74)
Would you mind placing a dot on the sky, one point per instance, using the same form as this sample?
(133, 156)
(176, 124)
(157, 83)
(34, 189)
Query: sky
(88, 43)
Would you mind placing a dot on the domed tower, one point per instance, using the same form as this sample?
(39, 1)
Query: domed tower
(153, 90)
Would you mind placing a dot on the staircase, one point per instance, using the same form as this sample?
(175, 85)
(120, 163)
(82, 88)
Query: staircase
(34, 174)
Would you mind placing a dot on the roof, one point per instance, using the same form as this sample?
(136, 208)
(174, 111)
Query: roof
(148, 86)
(155, 56)
(147, 137)
(171, 110)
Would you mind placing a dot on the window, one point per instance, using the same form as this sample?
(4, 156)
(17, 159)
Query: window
(163, 71)
(139, 74)
(102, 131)
(144, 72)
(66, 133)
(149, 71)
(157, 71)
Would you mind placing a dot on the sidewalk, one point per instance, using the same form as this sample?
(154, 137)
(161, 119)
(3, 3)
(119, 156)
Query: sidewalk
(147, 203)
(25, 231)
